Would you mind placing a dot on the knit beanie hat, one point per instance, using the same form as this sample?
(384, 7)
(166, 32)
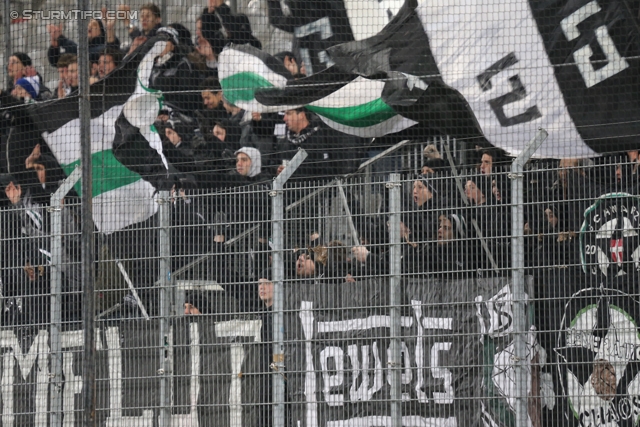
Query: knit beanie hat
(31, 85)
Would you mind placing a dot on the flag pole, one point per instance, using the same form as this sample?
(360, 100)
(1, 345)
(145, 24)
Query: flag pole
(86, 238)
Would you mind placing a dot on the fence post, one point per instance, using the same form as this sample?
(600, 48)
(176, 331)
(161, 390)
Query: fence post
(86, 238)
(165, 370)
(55, 349)
(395, 270)
(6, 20)
(517, 275)
(277, 217)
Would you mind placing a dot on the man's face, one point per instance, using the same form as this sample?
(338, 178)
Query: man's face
(172, 135)
(421, 193)
(211, 100)
(148, 20)
(243, 164)
(295, 120)
(426, 170)
(473, 193)
(15, 69)
(633, 155)
(13, 193)
(72, 75)
(552, 219)
(213, 4)
(305, 267)
(219, 132)
(291, 65)
(62, 74)
(105, 65)
(41, 173)
(445, 230)
(486, 162)
(265, 291)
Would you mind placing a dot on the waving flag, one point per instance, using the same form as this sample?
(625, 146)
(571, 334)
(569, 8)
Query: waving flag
(569, 67)
(257, 82)
(120, 196)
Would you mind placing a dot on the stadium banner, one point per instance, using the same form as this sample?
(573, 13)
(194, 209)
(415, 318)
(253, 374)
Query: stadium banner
(598, 342)
(457, 352)
(456, 344)
(504, 74)
(214, 373)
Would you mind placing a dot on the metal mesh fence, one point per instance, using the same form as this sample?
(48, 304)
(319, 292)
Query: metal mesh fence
(336, 213)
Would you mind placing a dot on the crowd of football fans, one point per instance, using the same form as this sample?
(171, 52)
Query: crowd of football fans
(203, 135)
(455, 217)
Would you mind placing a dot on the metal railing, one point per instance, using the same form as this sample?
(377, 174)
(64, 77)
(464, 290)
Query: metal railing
(451, 312)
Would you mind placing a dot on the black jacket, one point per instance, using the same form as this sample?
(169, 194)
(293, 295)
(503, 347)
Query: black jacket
(222, 27)
(179, 81)
(330, 153)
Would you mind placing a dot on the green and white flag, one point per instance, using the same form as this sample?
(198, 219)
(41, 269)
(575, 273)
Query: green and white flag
(258, 82)
(358, 109)
(243, 69)
(120, 196)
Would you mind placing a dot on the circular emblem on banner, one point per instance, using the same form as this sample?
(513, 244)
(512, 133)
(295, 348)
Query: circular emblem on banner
(599, 353)
(609, 237)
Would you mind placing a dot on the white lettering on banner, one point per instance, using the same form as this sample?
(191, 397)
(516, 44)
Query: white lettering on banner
(72, 382)
(235, 389)
(362, 324)
(406, 376)
(367, 374)
(332, 376)
(38, 350)
(438, 372)
(237, 328)
(498, 309)
(382, 421)
(465, 46)
(72, 386)
(364, 392)
(311, 409)
(115, 418)
(615, 62)
(8, 364)
(72, 342)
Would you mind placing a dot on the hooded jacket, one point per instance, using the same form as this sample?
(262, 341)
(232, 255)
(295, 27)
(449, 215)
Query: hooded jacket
(256, 160)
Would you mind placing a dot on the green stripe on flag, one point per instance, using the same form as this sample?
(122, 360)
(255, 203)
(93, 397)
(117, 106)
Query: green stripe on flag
(358, 116)
(108, 173)
(242, 86)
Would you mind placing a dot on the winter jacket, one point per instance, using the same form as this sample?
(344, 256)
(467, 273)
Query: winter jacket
(330, 153)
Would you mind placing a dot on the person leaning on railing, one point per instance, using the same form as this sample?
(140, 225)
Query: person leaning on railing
(330, 153)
